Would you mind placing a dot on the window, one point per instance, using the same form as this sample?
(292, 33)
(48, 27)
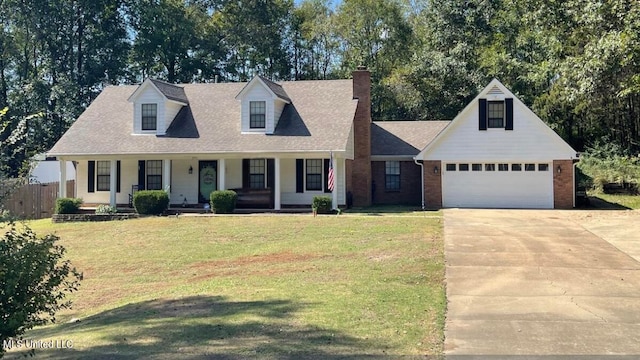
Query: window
(392, 175)
(257, 171)
(543, 167)
(314, 174)
(257, 114)
(516, 167)
(149, 116)
(463, 167)
(503, 167)
(476, 167)
(529, 167)
(451, 167)
(495, 114)
(104, 178)
(489, 167)
(154, 175)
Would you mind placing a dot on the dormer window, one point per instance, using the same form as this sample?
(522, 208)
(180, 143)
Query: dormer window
(496, 114)
(257, 114)
(149, 116)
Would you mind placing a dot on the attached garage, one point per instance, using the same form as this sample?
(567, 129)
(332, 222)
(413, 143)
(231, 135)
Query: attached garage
(497, 153)
(497, 185)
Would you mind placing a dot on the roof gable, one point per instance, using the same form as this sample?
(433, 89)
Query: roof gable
(275, 90)
(170, 92)
(530, 139)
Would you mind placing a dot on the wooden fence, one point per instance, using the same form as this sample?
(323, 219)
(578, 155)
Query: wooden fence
(36, 201)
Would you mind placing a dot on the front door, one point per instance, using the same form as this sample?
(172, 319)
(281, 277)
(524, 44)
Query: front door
(207, 180)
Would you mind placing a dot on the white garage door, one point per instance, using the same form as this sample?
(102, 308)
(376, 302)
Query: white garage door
(499, 185)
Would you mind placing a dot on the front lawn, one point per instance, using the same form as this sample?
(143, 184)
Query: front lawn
(627, 201)
(253, 287)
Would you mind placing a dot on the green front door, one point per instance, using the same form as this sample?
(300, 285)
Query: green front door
(207, 179)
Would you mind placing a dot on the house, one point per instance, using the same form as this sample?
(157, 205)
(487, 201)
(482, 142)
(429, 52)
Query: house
(47, 170)
(274, 144)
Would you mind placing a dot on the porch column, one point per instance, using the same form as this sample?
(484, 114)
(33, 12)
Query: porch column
(113, 174)
(166, 175)
(335, 184)
(276, 193)
(222, 172)
(62, 188)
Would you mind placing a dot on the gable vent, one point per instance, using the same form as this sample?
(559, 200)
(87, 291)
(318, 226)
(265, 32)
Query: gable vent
(495, 91)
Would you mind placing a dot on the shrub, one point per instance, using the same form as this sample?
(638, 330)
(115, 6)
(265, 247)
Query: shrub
(151, 202)
(7, 216)
(106, 209)
(223, 201)
(35, 281)
(67, 205)
(321, 204)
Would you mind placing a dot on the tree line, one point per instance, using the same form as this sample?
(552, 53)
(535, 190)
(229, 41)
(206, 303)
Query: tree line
(575, 62)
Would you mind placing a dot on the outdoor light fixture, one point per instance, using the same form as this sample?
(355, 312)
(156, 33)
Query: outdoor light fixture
(559, 169)
(190, 169)
(435, 169)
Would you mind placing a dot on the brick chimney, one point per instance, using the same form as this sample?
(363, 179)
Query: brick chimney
(361, 167)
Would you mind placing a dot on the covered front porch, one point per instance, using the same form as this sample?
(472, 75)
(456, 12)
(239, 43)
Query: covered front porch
(266, 181)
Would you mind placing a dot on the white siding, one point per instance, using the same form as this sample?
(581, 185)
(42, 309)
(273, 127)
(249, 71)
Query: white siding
(149, 96)
(128, 177)
(171, 110)
(258, 93)
(289, 195)
(183, 184)
(234, 173)
(530, 139)
(277, 112)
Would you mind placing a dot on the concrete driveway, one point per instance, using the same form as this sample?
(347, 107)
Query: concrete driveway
(542, 282)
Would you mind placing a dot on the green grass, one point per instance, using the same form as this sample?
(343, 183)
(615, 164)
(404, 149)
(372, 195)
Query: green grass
(627, 201)
(253, 286)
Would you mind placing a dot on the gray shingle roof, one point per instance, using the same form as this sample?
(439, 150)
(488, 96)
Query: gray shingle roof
(276, 88)
(319, 118)
(398, 138)
(171, 91)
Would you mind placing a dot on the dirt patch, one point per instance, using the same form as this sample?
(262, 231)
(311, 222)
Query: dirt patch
(270, 264)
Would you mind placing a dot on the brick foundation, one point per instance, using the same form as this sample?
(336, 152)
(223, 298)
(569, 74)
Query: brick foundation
(563, 184)
(432, 184)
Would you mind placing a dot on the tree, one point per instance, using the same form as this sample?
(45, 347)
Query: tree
(376, 34)
(253, 38)
(174, 39)
(315, 44)
(34, 280)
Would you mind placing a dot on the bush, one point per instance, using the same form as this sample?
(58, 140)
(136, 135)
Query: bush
(67, 205)
(7, 216)
(223, 201)
(106, 209)
(321, 204)
(35, 280)
(151, 202)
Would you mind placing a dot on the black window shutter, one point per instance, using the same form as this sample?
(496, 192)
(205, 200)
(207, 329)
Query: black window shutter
(245, 173)
(118, 176)
(271, 173)
(482, 114)
(299, 175)
(508, 109)
(141, 174)
(325, 176)
(91, 176)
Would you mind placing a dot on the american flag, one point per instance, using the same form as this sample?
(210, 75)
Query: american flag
(332, 178)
